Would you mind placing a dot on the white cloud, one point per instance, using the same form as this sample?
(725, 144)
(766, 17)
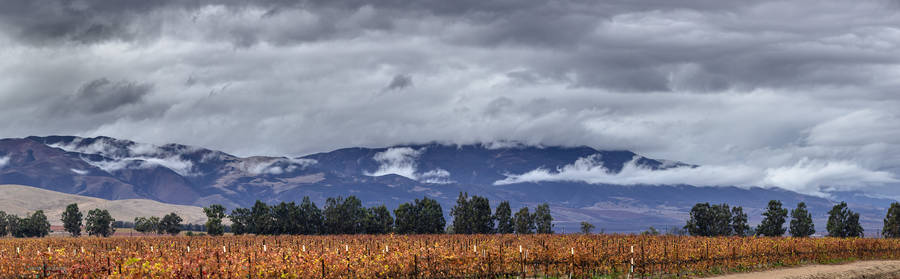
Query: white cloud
(4, 160)
(274, 166)
(402, 161)
(79, 172)
(397, 160)
(436, 176)
(806, 176)
(174, 163)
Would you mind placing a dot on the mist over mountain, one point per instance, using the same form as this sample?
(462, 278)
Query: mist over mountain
(525, 175)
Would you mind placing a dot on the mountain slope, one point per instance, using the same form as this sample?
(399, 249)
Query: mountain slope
(21, 200)
(121, 169)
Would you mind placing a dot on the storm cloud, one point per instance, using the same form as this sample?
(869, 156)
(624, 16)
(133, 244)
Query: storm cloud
(797, 94)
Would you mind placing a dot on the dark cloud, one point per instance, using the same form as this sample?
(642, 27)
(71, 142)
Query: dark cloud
(773, 86)
(102, 96)
(399, 82)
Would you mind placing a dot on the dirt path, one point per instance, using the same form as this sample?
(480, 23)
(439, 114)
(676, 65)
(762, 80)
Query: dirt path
(863, 269)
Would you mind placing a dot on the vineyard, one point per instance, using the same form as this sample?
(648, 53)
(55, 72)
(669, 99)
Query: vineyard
(420, 256)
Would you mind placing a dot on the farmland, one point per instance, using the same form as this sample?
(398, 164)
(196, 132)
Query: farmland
(420, 256)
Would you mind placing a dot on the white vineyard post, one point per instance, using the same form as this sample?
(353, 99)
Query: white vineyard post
(632, 262)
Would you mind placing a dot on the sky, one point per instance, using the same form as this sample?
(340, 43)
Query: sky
(801, 94)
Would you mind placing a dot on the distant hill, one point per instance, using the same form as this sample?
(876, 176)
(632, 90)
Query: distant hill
(21, 200)
(117, 169)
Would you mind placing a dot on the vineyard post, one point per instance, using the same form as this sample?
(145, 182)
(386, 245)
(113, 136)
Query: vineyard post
(415, 266)
(631, 269)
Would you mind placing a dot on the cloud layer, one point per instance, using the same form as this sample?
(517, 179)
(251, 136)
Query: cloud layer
(807, 176)
(769, 85)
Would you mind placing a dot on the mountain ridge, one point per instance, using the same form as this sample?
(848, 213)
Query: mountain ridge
(112, 168)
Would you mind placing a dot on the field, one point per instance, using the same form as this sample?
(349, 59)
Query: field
(420, 256)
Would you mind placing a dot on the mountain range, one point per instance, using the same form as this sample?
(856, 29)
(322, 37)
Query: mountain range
(116, 169)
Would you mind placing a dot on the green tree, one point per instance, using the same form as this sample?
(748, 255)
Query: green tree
(842, 222)
(286, 218)
(503, 217)
(261, 219)
(214, 215)
(587, 228)
(344, 216)
(524, 221)
(543, 221)
(71, 219)
(154, 224)
(650, 231)
(171, 224)
(773, 220)
(311, 217)
(801, 222)
(37, 225)
(240, 221)
(710, 220)
(379, 220)
(892, 222)
(462, 215)
(13, 226)
(425, 216)
(142, 225)
(4, 224)
(99, 223)
(739, 222)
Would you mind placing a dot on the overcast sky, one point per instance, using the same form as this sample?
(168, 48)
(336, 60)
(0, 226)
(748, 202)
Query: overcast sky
(803, 92)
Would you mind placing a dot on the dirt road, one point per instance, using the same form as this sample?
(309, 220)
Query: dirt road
(863, 269)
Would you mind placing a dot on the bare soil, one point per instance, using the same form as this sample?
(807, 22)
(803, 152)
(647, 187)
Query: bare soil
(854, 270)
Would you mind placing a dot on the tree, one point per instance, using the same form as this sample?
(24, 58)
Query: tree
(13, 226)
(4, 224)
(709, 220)
(425, 216)
(503, 217)
(739, 222)
(892, 222)
(650, 231)
(311, 218)
(587, 228)
(214, 215)
(344, 216)
(482, 220)
(842, 222)
(71, 219)
(37, 225)
(432, 217)
(171, 224)
(286, 219)
(543, 221)
(462, 215)
(142, 225)
(261, 219)
(240, 221)
(773, 220)
(801, 222)
(524, 221)
(154, 224)
(99, 222)
(379, 220)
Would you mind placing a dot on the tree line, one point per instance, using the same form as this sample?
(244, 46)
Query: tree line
(471, 215)
(720, 220)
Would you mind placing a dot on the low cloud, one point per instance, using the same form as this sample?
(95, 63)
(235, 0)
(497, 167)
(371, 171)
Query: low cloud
(79, 172)
(398, 160)
(4, 160)
(806, 176)
(402, 161)
(174, 163)
(273, 166)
